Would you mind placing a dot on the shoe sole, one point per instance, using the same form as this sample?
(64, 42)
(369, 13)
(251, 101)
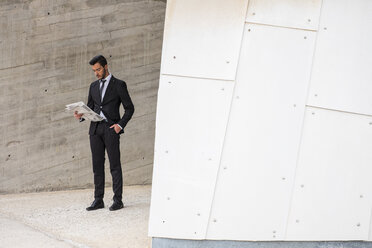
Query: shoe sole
(111, 209)
(95, 208)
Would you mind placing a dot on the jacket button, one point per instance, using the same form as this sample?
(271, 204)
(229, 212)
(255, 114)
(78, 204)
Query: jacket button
(100, 106)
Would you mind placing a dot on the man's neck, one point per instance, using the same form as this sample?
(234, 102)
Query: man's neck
(107, 77)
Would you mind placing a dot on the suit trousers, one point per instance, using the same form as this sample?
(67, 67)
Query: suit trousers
(103, 138)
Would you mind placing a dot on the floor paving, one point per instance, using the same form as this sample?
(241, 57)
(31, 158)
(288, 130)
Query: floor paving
(59, 219)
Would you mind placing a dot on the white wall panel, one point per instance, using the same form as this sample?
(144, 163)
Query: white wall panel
(342, 75)
(332, 194)
(190, 127)
(303, 14)
(259, 157)
(202, 38)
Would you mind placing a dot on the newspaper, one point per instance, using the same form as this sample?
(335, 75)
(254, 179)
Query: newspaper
(81, 108)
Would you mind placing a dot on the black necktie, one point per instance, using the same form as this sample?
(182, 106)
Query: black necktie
(101, 88)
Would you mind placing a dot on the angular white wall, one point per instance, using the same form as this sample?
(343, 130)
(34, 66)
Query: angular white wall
(264, 122)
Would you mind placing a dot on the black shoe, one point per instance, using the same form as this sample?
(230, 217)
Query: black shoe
(96, 204)
(116, 205)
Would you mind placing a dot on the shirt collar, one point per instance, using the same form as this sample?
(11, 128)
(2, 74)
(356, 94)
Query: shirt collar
(107, 78)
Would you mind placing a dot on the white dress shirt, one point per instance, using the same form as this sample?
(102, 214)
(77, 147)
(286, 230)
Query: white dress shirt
(104, 91)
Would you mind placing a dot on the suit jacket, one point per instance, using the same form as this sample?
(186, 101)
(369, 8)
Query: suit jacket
(116, 94)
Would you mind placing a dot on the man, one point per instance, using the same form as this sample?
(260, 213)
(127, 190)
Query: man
(105, 96)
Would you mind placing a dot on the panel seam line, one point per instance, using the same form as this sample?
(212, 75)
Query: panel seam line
(227, 125)
(302, 129)
(279, 26)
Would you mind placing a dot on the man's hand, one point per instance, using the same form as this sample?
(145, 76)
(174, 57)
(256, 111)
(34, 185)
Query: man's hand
(116, 128)
(77, 116)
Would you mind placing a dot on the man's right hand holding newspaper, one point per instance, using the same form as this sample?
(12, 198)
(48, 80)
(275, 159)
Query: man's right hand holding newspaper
(78, 116)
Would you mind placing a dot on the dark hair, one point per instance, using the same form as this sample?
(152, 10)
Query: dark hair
(98, 59)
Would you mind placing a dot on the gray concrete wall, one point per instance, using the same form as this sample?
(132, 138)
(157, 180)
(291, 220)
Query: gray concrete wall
(181, 243)
(45, 47)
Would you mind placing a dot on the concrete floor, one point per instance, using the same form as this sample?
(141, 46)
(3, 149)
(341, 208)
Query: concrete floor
(59, 219)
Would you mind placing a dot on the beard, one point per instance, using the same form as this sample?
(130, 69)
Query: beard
(104, 74)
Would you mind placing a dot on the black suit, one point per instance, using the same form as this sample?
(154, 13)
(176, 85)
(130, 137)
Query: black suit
(103, 137)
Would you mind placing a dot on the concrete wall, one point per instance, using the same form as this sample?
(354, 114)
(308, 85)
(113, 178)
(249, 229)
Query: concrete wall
(45, 47)
(180, 243)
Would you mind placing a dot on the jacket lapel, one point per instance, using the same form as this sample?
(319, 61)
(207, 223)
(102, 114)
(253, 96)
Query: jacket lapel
(95, 92)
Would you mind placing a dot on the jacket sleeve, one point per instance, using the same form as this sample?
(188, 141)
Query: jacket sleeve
(90, 102)
(126, 102)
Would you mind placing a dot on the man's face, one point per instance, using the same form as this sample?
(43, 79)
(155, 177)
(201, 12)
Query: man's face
(99, 70)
